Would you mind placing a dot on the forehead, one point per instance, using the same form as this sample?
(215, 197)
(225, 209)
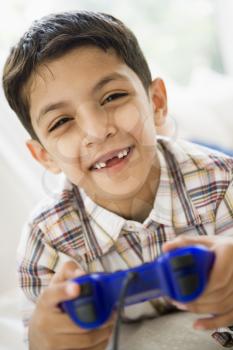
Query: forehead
(74, 75)
(85, 64)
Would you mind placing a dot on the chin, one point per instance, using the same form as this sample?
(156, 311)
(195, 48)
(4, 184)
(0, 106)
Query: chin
(123, 190)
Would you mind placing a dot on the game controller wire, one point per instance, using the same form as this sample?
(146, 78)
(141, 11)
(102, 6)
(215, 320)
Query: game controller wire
(126, 283)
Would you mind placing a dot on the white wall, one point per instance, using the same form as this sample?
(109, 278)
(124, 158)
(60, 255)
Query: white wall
(225, 32)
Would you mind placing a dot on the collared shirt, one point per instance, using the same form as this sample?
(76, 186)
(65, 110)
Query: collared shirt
(194, 196)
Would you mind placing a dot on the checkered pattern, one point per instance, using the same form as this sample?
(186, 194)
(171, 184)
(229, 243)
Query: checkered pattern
(194, 196)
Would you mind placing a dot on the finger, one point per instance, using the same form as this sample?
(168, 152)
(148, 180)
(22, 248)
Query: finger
(215, 293)
(215, 301)
(55, 294)
(64, 325)
(101, 346)
(219, 306)
(69, 270)
(214, 322)
(84, 340)
(184, 240)
(221, 274)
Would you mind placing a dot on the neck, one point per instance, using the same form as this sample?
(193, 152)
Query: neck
(139, 206)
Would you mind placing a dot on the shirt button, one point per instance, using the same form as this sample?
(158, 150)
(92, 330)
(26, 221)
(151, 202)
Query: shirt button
(79, 259)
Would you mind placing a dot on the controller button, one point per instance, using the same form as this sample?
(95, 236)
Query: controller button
(188, 284)
(86, 289)
(86, 313)
(182, 261)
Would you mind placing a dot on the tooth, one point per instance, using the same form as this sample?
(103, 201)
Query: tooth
(123, 153)
(99, 165)
(120, 155)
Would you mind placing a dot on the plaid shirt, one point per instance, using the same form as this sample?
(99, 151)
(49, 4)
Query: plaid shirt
(194, 196)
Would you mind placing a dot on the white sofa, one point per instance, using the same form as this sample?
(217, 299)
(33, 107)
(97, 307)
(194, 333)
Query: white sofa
(169, 332)
(11, 328)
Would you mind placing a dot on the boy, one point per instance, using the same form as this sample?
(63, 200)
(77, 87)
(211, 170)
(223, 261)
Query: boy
(81, 87)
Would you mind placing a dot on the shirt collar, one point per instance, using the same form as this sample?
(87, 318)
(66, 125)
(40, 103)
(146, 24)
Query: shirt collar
(105, 224)
(161, 212)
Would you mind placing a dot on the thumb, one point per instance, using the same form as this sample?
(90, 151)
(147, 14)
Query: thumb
(54, 294)
(184, 240)
(68, 270)
(60, 288)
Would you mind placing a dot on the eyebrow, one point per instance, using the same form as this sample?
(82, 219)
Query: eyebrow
(107, 79)
(99, 85)
(50, 107)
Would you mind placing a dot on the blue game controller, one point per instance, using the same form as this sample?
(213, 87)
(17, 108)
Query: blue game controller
(180, 274)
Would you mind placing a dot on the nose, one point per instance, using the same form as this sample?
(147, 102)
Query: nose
(97, 126)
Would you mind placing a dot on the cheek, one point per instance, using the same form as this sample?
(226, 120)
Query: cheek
(69, 158)
(67, 149)
(148, 133)
(137, 120)
(76, 176)
(128, 118)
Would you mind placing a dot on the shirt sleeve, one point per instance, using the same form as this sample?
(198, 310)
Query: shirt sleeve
(36, 265)
(224, 214)
(224, 225)
(37, 262)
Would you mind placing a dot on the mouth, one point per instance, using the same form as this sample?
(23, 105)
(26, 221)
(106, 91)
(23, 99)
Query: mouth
(115, 162)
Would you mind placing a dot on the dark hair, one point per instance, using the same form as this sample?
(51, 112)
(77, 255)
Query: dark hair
(52, 36)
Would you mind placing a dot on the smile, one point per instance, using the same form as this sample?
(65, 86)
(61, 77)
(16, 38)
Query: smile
(115, 163)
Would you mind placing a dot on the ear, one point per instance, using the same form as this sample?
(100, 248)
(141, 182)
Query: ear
(40, 154)
(158, 96)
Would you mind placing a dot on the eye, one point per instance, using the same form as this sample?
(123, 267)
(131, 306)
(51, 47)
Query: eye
(59, 123)
(115, 96)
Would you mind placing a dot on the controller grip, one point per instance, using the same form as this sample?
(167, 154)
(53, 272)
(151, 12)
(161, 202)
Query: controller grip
(185, 272)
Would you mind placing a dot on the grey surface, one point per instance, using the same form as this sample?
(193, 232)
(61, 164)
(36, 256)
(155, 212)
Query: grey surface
(170, 332)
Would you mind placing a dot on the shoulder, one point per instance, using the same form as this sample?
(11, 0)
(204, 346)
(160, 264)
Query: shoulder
(203, 173)
(53, 206)
(53, 216)
(193, 157)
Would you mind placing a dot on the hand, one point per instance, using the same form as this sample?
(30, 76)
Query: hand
(51, 329)
(217, 298)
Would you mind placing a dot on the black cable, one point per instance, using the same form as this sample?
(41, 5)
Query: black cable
(128, 279)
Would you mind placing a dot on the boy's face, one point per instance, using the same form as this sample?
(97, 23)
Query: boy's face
(89, 103)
